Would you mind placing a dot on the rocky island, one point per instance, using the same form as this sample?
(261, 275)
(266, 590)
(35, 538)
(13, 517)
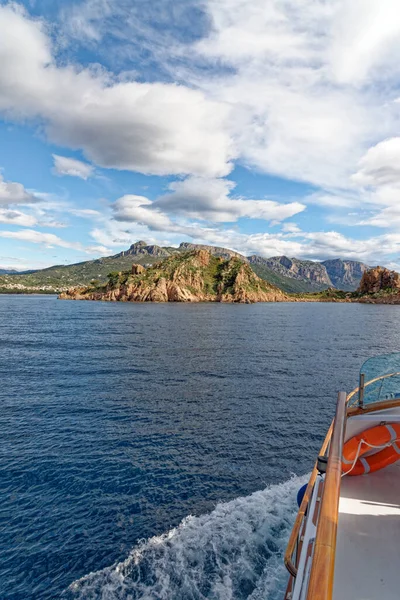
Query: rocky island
(201, 275)
(379, 286)
(193, 276)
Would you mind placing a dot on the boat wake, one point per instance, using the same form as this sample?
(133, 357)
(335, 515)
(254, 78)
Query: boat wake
(234, 552)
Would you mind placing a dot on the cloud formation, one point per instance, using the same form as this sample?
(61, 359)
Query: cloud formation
(291, 241)
(304, 77)
(16, 217)
(380, 165)
(64, 165)
(196, 203)
(37, 237)
(14, 193)
(303, 89)
(154, 128)
(209, 199)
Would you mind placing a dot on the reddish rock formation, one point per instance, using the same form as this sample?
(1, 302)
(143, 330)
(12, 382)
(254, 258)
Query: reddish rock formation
(138, 269)
(196, 276)
(379, 279)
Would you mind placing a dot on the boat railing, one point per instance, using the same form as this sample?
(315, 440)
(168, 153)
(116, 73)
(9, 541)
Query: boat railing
(294, 546)
(292, 549)
(326, 533)
(323, 565)
(358, 393)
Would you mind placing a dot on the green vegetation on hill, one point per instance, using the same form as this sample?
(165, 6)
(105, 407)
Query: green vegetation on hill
(58, 278)
(287, 284)
(62, 277)
(293, 276)
(194, 276)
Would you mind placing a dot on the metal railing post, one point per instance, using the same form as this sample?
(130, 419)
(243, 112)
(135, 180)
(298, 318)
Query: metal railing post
(361, 391)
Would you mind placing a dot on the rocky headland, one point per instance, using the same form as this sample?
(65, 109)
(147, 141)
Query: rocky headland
(194, 276)
(201, 276)
(379, 286)
(291, 275)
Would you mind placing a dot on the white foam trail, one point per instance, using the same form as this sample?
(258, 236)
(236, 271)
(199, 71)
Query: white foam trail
(234, 552)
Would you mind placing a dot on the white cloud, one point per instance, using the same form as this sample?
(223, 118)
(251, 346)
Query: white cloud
(320, 245)
(365, 38)
(37, 237)
(199, 199)
(85, 213)
(380, 165)
(153, 128)
(378, 180)
(16, 217)
(388, 218)
(334, 199)
(209, 199)
(83, 18)
(305, 89)
(293, 117)
(70, 166)
(140, 210)
(291, 228)
(14, 193)
(299, 97)
(100, 250)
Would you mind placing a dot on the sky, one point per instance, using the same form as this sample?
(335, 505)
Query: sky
(265, 126)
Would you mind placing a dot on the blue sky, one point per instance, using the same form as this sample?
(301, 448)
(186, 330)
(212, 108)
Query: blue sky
(266, 127)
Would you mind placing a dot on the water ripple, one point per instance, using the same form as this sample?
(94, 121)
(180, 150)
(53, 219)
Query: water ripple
(119, 420)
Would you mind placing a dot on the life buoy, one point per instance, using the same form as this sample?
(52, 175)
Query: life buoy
(385, 438)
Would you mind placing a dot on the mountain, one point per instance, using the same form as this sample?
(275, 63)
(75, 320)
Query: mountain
(214, 250)
(143, 249)
(285, 283)
(289, 274)
(193, 276)
(345, 274)
(314, 276)
(8, 271)
(62, 277)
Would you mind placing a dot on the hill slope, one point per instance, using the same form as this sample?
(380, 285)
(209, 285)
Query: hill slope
(62, 277)
(8, 271)
(194, 276)
(287, 283)
(289, 274)
(311, 275)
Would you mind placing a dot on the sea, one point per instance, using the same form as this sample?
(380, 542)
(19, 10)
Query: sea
(155, 451)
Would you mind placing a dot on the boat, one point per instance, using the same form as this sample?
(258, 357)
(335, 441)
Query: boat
(345, 543)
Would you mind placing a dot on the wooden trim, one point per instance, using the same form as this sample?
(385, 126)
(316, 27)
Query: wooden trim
(323, 565)
(302, 510)
(352, 411)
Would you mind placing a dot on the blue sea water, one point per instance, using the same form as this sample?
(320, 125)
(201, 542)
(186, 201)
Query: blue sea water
(155, 451)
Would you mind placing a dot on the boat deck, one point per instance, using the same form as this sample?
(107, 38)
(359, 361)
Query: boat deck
(367, 565)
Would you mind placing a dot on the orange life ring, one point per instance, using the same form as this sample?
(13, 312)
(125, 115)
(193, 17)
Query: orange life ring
(382, 435)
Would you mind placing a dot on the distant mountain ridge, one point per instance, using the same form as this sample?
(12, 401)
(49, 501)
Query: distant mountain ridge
(292, 275)
(214, 250)
(314, 276)
(8, 271)
(341, 274)
(141, 248)
(345, 274)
